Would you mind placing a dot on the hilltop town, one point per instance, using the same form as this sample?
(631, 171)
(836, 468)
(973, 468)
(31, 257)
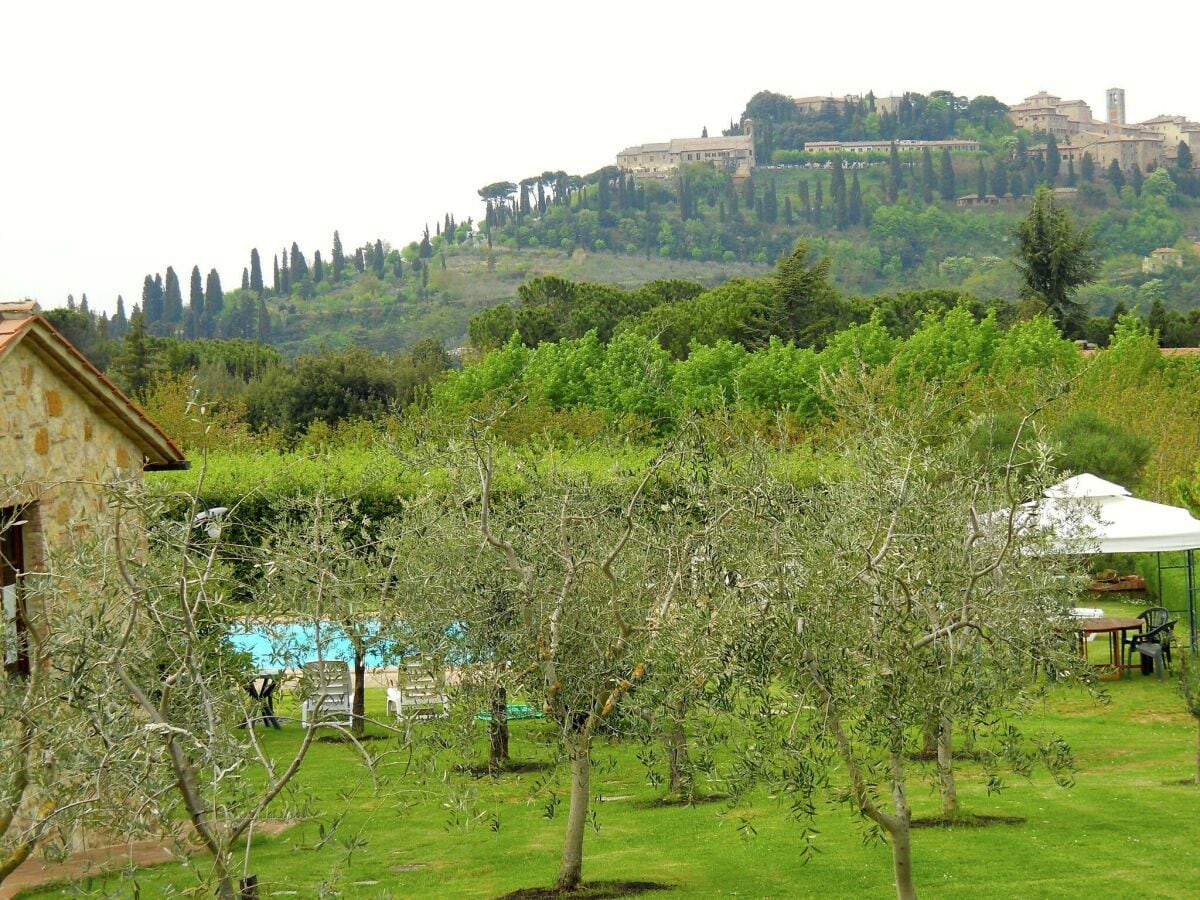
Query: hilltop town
(1067, 127)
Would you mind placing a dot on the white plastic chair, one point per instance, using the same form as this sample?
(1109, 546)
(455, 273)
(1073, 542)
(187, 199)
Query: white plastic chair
(421, 696)
(329, 694)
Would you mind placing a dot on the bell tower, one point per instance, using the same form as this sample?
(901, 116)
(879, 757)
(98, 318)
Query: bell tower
(1116, 106)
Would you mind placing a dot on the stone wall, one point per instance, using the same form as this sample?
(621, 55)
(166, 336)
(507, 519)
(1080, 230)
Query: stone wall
(56, 453)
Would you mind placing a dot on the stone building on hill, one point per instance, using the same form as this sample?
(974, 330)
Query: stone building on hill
(65, 431)
(1144, 144)
(733, 152)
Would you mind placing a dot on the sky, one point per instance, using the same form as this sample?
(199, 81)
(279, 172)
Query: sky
(136, 136)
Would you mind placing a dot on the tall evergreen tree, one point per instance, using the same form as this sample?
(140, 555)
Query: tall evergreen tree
(277, 284)
(946, 176)
(425, 249)
(151, 301)
(1070, 172)
(1115, 176)
(133, 365)
(245, 279)
(263, 330)
(788, 217)
(360, 262)
(1087, 168)
(1000, 179)
(338, 259)
(196, 300)
(855, 212)
(120, 324)
(172, 299)
(926, 175)
(1183, 157)
(318, 269)
(256, 279)
(379, 260)
(893, 179)
(805, 200)
(837, 194)
(1136, 179)
(1055, 258)
(299, 264)
(981, 182)
(818, 203)
(1053, 161)
(214, 302)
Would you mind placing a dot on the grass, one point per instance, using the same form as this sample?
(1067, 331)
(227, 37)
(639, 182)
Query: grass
(1108, 835)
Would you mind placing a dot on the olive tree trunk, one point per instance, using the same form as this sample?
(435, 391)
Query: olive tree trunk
(498, 747)
(945, 768)
(570, 871)
(897, 826)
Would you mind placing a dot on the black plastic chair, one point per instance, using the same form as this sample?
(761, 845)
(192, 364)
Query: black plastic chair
(1154, 616)
(1154, 646)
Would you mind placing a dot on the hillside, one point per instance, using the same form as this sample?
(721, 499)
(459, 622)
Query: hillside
(392, 314)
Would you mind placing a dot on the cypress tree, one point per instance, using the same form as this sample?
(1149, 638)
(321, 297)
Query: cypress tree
(818, 204)
(339, 258)
(285, 274)
(133, 365)
(1000, 179)
(399, 268)
(1087, 168)
(893, 182)
(926, 175)
(256, 279)
(856, 207)
(771, 202)
(1016, 184)
(805, 205)
(299, 264)
(196, 301)
(379, 261)
(172, 304)
(1136, 179)
(837, 193)
(1115, 176)
(1070, 173)
(151, 301)
(264, 322)
(426, 248)
(360, 263)
(318, 270)
(245, 279)
(1183, 157)
(788, 218)
(120, 323)
(981, 182)
(947, 176)
(214, 300)
(276, 284)
(1053, 161)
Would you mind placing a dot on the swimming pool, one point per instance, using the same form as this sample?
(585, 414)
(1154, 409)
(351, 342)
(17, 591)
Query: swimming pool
(288, 645)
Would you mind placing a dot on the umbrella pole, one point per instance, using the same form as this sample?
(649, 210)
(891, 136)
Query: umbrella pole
(1191, 592)
(1158, 557)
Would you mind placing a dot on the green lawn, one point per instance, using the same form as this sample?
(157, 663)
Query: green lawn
(1127, 826)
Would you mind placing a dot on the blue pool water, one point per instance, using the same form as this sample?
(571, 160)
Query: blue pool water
(291, 644)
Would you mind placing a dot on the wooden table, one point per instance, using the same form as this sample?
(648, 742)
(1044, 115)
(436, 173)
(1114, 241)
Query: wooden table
(1115, 627)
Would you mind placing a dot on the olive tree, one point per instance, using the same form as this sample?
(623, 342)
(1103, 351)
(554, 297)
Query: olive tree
(586, 603)
(58, 772)
(168, 692)
(906, 582)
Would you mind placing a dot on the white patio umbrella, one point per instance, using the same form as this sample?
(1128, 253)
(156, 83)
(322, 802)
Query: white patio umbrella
(1086, 514)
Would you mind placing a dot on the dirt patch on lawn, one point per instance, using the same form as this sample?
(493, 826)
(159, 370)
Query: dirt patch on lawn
(591, 890)
(671, 802)
(346, 739)
(931, 755)
(509, 768)
(966, 821)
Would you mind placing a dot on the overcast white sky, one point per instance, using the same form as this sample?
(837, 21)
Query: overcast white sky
(140, 135)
